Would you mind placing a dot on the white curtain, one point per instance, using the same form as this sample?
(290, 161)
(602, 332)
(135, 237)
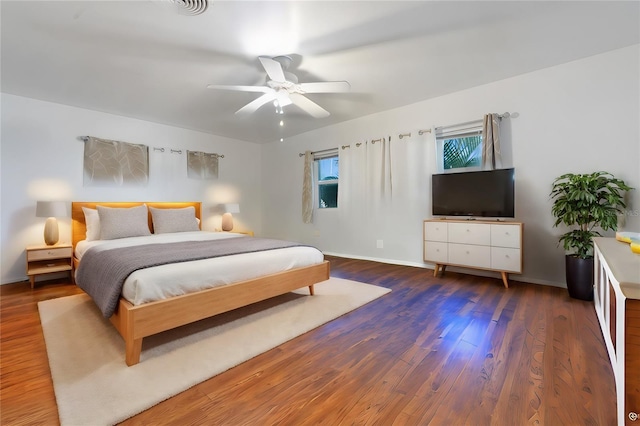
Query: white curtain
(354, 211)
(380, 182)
(491, 157)
(345, 192)
(307, 188)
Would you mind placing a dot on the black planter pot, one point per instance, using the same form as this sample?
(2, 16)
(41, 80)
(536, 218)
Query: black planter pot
(579, 273)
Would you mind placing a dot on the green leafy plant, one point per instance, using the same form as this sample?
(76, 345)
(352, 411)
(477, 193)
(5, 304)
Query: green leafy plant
(462, 152)
(587, 202)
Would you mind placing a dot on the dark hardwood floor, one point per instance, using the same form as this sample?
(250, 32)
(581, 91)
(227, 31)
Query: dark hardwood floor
(450, 350)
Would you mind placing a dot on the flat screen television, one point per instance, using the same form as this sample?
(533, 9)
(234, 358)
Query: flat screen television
(487, 193)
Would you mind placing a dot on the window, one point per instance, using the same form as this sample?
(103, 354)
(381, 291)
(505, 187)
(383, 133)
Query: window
(459, 147)
(327, 168)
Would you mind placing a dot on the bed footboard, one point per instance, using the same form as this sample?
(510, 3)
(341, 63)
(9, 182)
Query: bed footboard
(136, 322)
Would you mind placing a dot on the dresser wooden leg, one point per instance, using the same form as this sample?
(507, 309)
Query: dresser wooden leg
(505, 279)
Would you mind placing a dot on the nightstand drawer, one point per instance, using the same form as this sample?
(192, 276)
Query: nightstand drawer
(49, 253)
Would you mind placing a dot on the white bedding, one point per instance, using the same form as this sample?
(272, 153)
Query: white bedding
(162, 282)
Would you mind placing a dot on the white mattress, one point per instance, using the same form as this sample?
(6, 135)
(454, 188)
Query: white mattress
(162, 282)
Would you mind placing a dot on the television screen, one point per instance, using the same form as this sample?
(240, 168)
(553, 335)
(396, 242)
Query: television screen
(487, 193)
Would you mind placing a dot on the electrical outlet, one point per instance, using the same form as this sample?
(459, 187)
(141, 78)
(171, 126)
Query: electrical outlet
(379, 244)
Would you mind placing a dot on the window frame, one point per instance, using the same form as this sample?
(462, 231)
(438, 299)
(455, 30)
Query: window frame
(459, 131)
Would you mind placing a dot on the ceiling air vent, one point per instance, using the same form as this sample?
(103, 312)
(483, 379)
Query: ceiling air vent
(191, 7)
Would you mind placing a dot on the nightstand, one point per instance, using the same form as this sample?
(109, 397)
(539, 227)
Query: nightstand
(49, 259)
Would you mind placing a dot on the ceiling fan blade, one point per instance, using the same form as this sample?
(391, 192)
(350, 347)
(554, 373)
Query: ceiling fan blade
(309, 106)
(262, 89)
(326, 87)
(256, 103)
(273, 69)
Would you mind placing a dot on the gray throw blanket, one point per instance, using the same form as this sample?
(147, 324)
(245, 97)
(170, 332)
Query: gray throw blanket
(102, 273)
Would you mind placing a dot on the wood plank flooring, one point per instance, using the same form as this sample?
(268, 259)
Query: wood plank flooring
(451, 350)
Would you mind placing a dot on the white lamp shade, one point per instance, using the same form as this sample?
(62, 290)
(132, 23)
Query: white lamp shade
(227, 217)
(232, 208)
(52, 209)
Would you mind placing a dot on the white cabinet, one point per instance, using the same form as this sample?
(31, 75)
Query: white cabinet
(436, 251)
(506, 235)
(469, 233)
(494, 246)
(506, 259)
(475, 256)
(617, 304)
(436, 230)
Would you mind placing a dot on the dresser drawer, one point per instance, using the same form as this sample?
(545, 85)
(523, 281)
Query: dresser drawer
(470, 233)
(470, 255)
(435, 231)
(506, 259)
(435, 252)
(49, 253)
(505, 236)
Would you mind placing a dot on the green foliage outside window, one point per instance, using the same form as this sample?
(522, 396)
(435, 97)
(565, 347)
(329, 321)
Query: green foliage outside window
(462, 152)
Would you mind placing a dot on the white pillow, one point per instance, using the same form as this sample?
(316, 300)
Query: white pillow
(123, 222)
(174, 220)
(92, 220)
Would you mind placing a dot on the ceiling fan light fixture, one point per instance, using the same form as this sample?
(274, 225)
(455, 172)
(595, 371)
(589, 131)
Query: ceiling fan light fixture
(282, 88)
(283, 99)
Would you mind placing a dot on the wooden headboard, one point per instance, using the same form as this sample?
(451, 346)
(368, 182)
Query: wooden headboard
(79, 227)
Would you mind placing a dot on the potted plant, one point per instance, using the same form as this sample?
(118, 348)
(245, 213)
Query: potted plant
(588, 203)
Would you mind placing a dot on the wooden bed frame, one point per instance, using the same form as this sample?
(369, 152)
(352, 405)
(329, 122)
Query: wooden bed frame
(136, 322)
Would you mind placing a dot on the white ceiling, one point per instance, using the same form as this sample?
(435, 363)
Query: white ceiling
(146, 59)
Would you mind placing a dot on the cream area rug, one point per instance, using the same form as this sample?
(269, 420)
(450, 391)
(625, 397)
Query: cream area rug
(93, 385)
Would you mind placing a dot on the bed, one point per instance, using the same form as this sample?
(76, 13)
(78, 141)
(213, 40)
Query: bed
(136, 321)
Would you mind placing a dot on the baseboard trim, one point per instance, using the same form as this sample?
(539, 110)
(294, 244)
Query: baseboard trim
(468, 271)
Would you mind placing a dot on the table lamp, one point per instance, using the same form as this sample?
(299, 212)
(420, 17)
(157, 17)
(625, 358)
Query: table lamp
(51, 210)
(227, 217)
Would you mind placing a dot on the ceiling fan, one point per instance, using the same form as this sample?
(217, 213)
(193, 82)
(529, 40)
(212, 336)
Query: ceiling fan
(283, 89)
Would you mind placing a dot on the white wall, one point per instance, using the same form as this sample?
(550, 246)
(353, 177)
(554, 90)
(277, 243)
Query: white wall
(42, 159)
(578, 117)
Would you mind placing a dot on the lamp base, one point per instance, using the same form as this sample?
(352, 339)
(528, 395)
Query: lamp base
(51, 234)
(227, 222)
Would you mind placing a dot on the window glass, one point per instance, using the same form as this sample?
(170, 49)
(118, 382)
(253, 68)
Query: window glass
(328, 175)
(459, 147)
(462, 152)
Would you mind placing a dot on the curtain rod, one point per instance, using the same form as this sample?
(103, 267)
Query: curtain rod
(160, 149)
(318, 152)
(500, 116)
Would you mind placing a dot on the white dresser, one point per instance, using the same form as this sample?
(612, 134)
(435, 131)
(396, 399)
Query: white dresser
(488, 245)
(617, 302)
